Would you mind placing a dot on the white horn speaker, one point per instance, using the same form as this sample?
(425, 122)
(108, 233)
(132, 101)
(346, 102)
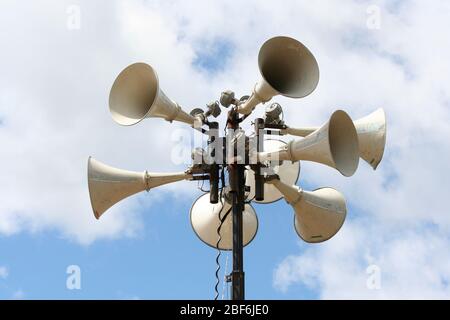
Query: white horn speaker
(319, 214)
(288, 172)
(335, 144)
(108, 185)
(287, 67)
(372, 137)
(136, 95)
(205, 221)
(371, 132)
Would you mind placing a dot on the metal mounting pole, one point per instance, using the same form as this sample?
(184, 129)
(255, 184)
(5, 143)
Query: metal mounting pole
(259, 179)
(237, 184)
(237, 276)
(214, 170)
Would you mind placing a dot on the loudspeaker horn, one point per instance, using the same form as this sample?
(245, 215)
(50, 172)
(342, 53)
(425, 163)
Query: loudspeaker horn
(136, 95)
(371, 132)
(287, 68)
(108, 185)
(335, 144)
(205, 222)
(372, 137)
(287, 171)
(319, 214)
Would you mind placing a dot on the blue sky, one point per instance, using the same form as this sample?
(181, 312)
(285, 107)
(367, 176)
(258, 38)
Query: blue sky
(57, 70)
(213, 58)
(168, 262)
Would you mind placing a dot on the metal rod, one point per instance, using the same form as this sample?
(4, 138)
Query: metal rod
(237, 276)
(259, 179)
(276, 126)
(214, 172)
(200, 177)
(236, 180)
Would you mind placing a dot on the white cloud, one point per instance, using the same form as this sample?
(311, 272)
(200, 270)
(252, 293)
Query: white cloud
(3, 272)
(54, 114)
(413, 264)
(399, 217)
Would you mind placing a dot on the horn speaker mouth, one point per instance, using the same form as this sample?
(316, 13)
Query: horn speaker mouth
(288, 66)
(204, 218)
(331, 223)
(133, 94)
(343, 143)
(96, 213)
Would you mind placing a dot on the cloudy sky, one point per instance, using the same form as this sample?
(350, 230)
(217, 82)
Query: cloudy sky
(58, 62)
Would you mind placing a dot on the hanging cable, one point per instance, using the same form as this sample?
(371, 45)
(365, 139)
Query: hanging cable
(200, 187)
(219, 252)
(221, 220)
(249, 201)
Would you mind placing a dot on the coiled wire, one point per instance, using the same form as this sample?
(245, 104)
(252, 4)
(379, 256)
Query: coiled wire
(219, 237)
